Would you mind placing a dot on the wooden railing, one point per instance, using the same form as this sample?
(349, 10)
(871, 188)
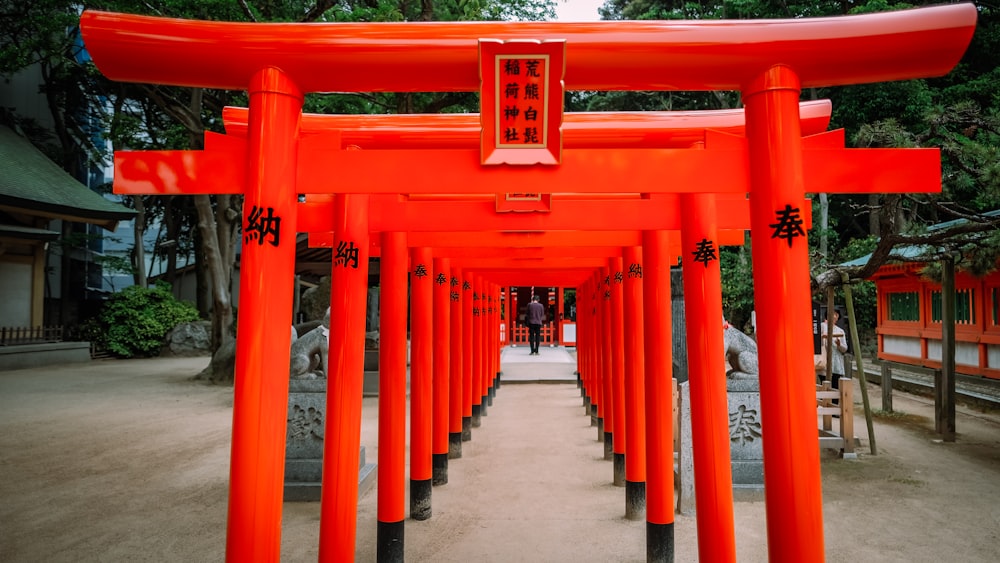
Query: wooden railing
(519, 335)
(16, 335)
(843, 438)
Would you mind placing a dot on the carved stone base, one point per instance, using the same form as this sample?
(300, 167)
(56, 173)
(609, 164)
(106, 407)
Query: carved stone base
(304, 443)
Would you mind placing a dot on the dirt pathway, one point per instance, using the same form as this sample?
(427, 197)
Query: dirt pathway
(128, 461)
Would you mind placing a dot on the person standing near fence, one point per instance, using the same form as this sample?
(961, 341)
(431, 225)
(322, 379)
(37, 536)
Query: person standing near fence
(536, 318)
(839, 349)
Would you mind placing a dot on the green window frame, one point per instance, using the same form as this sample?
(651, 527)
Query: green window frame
(904, 306)
(965, 306)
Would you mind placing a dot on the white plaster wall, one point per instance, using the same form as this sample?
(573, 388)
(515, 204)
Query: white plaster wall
(15, 294)
(902, 345)
(992, 356)
(966, 353)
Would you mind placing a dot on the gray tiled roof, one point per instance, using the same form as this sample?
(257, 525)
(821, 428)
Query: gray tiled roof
(29, 180)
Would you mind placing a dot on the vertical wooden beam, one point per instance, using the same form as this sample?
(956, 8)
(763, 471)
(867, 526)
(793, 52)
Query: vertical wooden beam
(781, 281)
(635, 391)
(456, 387)
(478, 356)
(617, 394)
(421, 381)
(657, 348)
(442, 371)
(260, 394)
(945, 409)
(467, 355)
(392, 398)
(707, 381)
(345, 380)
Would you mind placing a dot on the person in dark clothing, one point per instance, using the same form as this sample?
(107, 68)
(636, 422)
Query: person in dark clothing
(535, 319)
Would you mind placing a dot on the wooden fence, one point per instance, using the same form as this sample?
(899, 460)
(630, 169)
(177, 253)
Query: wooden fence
(17, 335)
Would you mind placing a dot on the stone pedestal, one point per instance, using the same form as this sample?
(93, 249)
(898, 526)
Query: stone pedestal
(304, 443)
(746, 445)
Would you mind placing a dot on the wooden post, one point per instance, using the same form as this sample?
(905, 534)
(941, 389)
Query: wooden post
(345, 386)
(617, 394)
(421, 381)
(635, 391)
(862, 378)
(793, 495)
(709, 409)
(467, 355)
(657, 348)
(886, 387)
(456, 365)
(477, 350)
(392, 398)
(260, 393)
(945, 408)
(442, 373)
(608, 362)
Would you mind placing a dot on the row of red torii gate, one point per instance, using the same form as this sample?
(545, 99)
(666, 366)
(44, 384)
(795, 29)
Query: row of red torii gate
(524, 195)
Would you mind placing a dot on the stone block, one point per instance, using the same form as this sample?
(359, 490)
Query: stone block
(304, 443)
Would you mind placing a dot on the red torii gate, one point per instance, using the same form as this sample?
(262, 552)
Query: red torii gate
(768, 61)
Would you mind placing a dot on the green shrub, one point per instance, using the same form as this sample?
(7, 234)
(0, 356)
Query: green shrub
(134, 321)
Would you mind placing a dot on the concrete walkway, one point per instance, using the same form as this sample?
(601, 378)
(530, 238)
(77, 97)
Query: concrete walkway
(552, 365)
(128, 461)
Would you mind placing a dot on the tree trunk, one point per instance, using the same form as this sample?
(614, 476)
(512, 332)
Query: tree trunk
(139, 251)
(218, 270)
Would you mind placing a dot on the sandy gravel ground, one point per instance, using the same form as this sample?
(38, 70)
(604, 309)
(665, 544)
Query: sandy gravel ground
(128, 461)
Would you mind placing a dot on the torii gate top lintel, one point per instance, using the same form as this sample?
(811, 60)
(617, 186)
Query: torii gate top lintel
(394, 57)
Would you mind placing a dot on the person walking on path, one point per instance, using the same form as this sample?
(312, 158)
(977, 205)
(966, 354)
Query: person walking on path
(536, 317)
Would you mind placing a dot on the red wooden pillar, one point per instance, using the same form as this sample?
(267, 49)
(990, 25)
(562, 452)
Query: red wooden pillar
(635, 391)
(494, 343)
(617, 395)
(607, 361)
(456, 363)
(421, 381)
(706, 369)
(477, 350)
(585, 349)
(511, 316)
(442, 364)
(595, 300)
(658, 344)
(392, 398)
(781, 278)
(345, 381)
(467, 356)
(260, 403)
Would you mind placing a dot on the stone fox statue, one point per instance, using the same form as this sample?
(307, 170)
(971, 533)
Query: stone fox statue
(309, 353)
(741, 353)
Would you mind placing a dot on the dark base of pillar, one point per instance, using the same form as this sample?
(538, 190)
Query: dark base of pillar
(609, 446)
(389, 539)
(488, 399)
(454, 445)
(420, 499)
(466, 428)
(635, 500)
(599, 423)
(485, 405)
(619, 469)
(586, 404)
(659, 543)
(439, 468)
(477, 416)
(593, 409)
(496, 385)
